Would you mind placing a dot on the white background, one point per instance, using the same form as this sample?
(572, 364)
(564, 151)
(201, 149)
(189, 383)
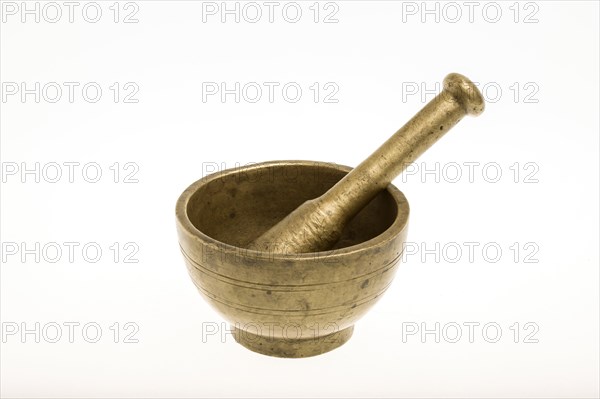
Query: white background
(541, 80)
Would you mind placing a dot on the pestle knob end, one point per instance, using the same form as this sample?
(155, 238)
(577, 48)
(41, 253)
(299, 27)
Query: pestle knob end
(465, 92)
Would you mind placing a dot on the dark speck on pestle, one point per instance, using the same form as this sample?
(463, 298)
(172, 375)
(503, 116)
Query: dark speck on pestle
(365, 283)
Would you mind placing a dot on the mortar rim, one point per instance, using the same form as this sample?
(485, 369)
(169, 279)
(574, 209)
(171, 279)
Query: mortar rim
(396, 229)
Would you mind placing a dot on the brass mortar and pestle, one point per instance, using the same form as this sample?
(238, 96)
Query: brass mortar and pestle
(293, 253)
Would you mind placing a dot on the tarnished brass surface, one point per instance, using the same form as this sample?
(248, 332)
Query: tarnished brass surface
(293, 253)
(318, 223)
(286, 305)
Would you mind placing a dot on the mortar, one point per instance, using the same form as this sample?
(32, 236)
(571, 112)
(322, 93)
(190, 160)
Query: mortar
(280, 304)
(293, 253)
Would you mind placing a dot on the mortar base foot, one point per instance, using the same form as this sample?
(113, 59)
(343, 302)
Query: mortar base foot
(292, 348)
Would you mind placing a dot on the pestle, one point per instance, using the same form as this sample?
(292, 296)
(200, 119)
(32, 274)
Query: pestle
(317, 224)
